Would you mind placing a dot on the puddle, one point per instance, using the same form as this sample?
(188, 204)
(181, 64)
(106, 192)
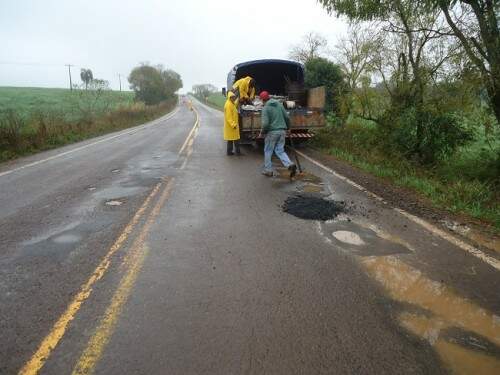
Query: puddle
(348, 237)
(66, 238)
(303, 176)
(362, 240)
(115, 170)
(118, 191)
(312, 207)
(448, 310)
(308, 177)
(53, 233)
(91, 188)
(114, 203)
(312, 188)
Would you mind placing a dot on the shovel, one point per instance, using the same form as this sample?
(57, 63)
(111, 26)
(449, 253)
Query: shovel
(297, 161)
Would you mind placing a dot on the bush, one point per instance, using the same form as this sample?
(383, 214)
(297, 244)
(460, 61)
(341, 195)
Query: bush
(322, 72)
(153, 84)
(442, 134)
(10, 129)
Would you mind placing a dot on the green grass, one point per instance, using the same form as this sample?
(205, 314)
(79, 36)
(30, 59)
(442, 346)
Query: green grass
(466, 183)
(217, 100)
(28, 100)
(36, 119)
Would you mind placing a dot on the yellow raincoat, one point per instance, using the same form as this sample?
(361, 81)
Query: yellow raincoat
(231, 128)
(242, 85)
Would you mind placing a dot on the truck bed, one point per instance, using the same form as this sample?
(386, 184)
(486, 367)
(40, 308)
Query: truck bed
(303, 123)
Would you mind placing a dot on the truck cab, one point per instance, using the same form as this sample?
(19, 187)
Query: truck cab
(284, 80)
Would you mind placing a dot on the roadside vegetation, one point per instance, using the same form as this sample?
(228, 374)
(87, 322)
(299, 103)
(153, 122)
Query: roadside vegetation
(216, 100)
(35, 119)
(209, 94)
(417, 99)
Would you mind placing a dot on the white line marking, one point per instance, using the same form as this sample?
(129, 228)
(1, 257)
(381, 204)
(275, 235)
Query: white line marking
(135, 130)
(495, 263)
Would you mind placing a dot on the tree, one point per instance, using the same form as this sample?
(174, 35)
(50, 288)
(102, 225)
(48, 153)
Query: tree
(480, 38)
(95, 100)
(172, 81)
(473, 22)
(86, 76)
(322, 72)
(204, 90)
(416, 45)
(355, 53)
(153, 84)
(312, 45)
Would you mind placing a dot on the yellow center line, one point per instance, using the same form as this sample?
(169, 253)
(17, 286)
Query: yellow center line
(195, 126)
(95, 346)
(58, 330)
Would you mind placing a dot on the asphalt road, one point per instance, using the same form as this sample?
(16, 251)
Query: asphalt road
(151, 252)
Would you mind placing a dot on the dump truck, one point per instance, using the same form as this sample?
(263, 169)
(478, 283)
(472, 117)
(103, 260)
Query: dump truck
(284, 80)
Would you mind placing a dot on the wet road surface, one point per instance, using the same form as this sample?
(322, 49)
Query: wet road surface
(151, 252)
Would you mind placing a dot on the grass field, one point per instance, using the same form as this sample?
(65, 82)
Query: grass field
(216, 100)
(36, 119)
(27, 100)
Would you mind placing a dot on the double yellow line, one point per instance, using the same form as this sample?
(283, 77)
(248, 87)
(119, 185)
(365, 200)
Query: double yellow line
(133, 261)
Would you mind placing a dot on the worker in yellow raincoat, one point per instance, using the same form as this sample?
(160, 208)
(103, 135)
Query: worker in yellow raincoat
(244, 89)
(231, 127)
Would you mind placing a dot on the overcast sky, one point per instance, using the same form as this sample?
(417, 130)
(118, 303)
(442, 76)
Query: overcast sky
(200, 39)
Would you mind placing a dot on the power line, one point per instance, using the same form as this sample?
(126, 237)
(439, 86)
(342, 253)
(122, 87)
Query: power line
(27, 63)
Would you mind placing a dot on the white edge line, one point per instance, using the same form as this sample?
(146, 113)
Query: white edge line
(495, 263)
(128, 132)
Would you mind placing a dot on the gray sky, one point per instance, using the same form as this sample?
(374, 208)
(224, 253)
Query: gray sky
(201, 40)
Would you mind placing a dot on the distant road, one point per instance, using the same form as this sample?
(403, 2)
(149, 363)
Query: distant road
(149, 251)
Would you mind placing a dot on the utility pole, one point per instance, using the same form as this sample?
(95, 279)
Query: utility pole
(69, 72)
(120, 79)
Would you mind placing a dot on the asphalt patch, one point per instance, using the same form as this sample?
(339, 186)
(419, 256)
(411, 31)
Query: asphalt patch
(312, 207)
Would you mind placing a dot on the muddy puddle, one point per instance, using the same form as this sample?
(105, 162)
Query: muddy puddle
(475, 343)
(465, 335)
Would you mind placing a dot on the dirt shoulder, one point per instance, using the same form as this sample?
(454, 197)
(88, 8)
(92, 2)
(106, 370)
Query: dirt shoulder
(472, 230)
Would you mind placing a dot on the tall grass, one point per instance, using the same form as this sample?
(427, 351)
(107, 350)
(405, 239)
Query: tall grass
(42, 130)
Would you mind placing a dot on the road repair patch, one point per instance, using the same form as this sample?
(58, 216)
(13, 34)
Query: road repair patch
(313, 207)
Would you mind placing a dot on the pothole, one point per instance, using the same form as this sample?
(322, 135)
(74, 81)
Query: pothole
(115, 170)
(114, 203)
(311, 207)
